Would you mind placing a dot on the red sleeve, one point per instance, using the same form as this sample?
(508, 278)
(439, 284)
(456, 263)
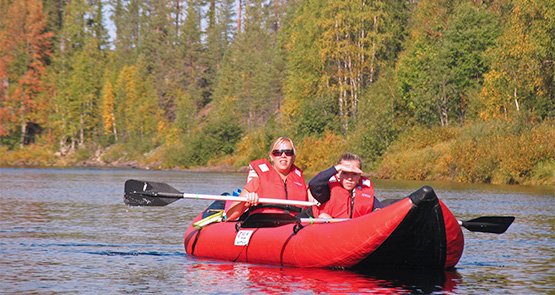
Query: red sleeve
(252, 185)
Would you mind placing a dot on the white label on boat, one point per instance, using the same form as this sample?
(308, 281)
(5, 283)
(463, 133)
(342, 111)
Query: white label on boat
(243, 237)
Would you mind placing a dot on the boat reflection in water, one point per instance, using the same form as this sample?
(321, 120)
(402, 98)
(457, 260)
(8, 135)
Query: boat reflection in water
(275, 279)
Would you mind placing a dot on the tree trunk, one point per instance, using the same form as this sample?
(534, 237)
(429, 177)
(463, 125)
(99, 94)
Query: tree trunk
(373, 57)
(516, 100)
(340, 81)
(442, 107)
(114, 126)
(23, 129)
(239, 8)
(81, 130)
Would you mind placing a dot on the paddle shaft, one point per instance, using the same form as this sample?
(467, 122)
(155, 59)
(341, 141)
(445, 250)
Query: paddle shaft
(487, 224)
(480, 226)
(148, 193)
(322, 220)
(225, 198)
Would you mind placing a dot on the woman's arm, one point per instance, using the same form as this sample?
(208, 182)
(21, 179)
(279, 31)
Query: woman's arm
(236, 209)
(319, 187)
(377, 204)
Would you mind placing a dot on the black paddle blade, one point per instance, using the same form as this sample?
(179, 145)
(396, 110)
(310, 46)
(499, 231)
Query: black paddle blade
(148, 193)
(489, 224)
(257, 220)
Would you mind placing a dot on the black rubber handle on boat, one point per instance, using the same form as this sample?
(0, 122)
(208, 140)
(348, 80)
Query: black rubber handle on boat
(257, 220)
(488, 224)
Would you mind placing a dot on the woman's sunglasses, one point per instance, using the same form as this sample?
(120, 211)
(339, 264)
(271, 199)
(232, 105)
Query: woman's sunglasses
(277, 153)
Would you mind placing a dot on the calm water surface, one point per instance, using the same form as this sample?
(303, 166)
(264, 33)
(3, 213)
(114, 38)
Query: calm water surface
(68, 231)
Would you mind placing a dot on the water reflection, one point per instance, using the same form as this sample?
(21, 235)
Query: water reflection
(277, 280)
(68, 231)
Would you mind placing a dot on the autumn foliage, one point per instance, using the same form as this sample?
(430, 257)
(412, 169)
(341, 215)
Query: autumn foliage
(426, 90)
(23, 54)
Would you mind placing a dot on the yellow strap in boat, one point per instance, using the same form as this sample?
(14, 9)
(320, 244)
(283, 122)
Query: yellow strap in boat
(208, 220)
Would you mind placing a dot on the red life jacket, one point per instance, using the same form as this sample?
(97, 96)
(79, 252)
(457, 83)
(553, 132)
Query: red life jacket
(267, 183)
(341, 205)
(272, 186)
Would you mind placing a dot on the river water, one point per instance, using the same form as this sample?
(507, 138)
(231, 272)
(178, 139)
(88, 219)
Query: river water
(67, 231)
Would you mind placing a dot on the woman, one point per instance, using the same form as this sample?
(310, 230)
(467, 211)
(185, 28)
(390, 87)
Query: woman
(279, 180)
(342, 191)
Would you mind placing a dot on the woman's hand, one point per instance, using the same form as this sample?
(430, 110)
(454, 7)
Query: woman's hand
(236, 209)
(324, 215)
(347, 168)
(252, 199)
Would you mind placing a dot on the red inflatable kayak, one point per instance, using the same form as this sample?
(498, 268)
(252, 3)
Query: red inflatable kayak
(417, 231)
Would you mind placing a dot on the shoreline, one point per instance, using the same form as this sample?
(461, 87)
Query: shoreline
(132, 165)
(96, 162)
(214, 169)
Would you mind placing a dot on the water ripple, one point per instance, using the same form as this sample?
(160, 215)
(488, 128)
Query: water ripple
(72, 234)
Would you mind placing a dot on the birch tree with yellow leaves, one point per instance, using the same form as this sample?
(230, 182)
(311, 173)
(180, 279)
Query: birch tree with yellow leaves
(523, 64)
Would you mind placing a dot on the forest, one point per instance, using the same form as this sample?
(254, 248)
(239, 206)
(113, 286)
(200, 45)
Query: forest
(446, 90)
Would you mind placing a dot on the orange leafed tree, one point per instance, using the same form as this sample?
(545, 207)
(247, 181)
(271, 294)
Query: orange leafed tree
(23, 52)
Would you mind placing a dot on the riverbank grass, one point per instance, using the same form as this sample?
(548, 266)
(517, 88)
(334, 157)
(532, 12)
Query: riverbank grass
(493, 152)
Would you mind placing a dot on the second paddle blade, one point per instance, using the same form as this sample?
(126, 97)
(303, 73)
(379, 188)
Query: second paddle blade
(489, 224)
